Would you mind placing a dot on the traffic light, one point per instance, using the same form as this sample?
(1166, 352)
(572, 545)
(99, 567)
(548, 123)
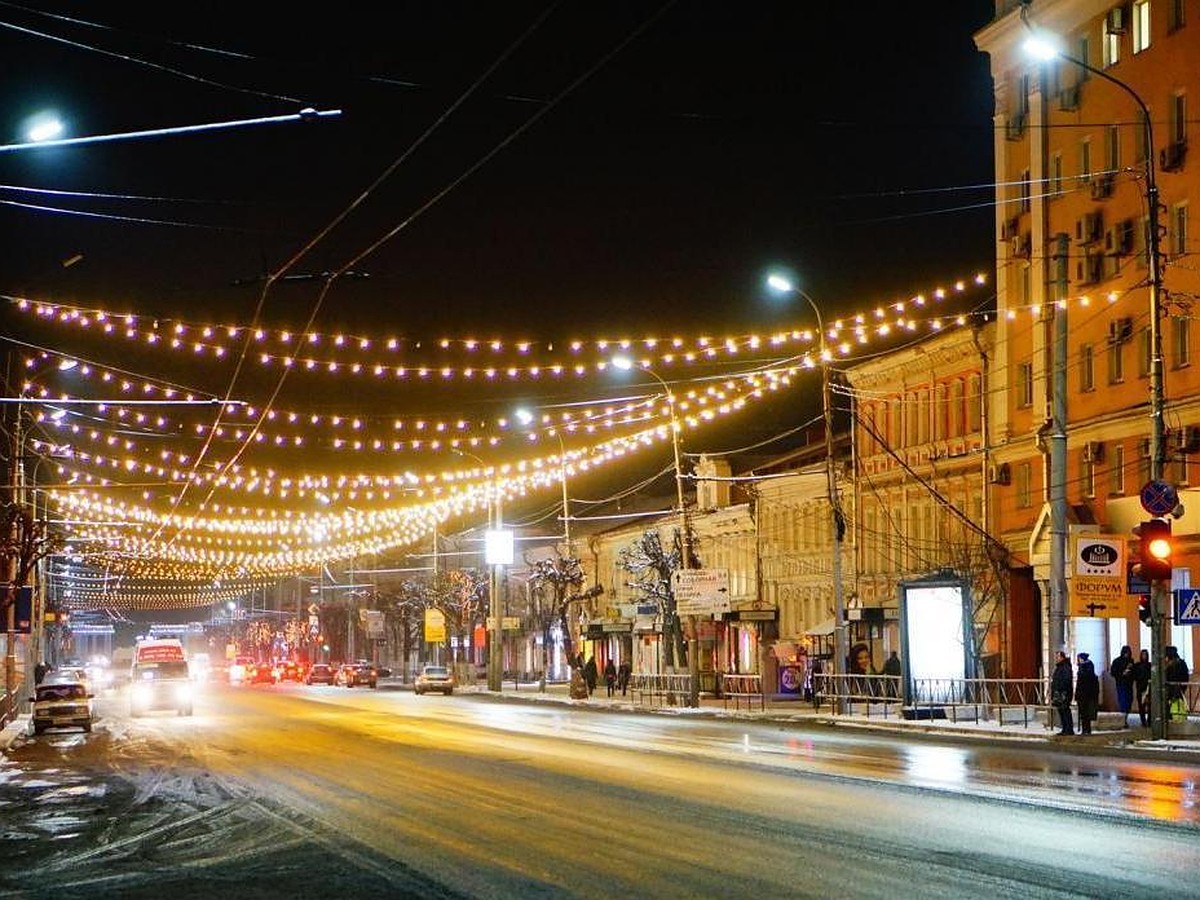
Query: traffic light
(1155, 550)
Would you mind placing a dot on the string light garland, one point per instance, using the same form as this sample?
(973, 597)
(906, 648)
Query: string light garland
(284, 349)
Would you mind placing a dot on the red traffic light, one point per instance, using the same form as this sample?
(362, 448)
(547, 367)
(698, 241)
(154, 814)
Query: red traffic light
(1155, 550)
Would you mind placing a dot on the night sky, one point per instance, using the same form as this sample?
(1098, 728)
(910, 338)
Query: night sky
(545, 172)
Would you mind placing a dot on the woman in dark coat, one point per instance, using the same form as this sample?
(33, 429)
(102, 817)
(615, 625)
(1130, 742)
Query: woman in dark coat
(1087, 693)
(1061, 692)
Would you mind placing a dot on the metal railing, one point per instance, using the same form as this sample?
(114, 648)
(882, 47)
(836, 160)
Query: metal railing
(741, 688)
(661, 690)
(1016, 701)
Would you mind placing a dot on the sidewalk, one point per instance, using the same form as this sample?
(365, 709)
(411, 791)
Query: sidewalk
(1133, 741)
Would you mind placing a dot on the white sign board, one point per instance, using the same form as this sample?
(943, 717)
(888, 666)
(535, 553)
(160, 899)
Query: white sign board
(700, 592)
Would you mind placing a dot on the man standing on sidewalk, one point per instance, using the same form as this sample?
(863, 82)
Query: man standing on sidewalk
(1122, 672)
(1061, 692)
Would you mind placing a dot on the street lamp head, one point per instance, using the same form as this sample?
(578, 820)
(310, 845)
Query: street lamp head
(780, 283)
(1042, 46)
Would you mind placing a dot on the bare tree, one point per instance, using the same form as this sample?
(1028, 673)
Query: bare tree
(651, 567)
(24, 542)
(554, 585)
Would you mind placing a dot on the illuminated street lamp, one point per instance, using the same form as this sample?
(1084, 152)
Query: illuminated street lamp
(783, 285)
(1045, 47)
(498, 552)
(625, 362)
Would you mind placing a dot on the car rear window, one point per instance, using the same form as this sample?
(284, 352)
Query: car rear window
(435, 671)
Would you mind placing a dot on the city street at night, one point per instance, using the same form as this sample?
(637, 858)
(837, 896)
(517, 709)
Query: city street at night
(295, 791)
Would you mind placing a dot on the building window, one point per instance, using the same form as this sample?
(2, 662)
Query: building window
(1179, 229)
(1144, 461)
(1025, 192)
(958, 409)
(1025, 385)
(1179, 118)
(1116, 362)
(1145, 354)
(1087, 368)
(974, 399)
(1112, 149)
(1116, 471)
(1175, 15)
(1085, 159)
(1089, 476)
(1142, 139)
(1141, 25)
(1056, 175)
(1112, 41)
(1181, 340)
(1181, 470)
(1024, 479)
(1083, 52)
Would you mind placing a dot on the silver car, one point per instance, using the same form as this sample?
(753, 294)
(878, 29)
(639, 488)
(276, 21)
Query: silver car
(434, 678)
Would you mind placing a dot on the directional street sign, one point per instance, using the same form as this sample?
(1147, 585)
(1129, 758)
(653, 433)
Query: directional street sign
(1187, 606)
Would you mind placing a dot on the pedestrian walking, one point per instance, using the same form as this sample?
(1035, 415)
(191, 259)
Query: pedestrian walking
(1062, 692)
(1141, 685)
(590, 675)
(1087, 693)
(610, 677)
(624, 673)
(1122, 672)
(1176, 675)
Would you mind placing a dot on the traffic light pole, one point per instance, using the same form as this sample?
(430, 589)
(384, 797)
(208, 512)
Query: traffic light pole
(1160, 595)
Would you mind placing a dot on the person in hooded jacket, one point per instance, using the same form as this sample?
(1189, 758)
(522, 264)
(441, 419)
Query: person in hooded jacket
(1087, 693)
(1061, 691)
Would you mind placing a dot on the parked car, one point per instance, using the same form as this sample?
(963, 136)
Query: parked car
(352, 674)
(61, 703)
(321, 673)
(435, 678)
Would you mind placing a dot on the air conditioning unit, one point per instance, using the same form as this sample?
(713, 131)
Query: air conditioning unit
(1068, 98)
(1102, 187)
(1000, 474)
(1093, 451)
(1116, 21)
(1170, 158)
(1120, 330)
(1089, 228)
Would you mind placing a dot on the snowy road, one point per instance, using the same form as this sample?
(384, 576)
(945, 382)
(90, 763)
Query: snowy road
(293, 791)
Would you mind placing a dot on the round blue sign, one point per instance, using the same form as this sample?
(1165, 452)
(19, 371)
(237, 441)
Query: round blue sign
(1159, 498)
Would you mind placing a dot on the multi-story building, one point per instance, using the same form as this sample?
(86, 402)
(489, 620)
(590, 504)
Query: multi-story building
(1078, 143)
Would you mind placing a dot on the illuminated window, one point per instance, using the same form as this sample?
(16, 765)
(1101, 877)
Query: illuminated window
(1141, 25)
(1112, 36)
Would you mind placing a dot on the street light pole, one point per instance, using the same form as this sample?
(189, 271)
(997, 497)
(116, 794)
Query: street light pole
(1160, 590)
(836, 516)
(685, 526)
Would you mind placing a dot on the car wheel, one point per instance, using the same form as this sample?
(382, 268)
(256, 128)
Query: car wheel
(38, 729)
(374, 686)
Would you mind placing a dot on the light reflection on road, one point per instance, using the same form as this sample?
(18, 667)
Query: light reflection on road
(1026, 774)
